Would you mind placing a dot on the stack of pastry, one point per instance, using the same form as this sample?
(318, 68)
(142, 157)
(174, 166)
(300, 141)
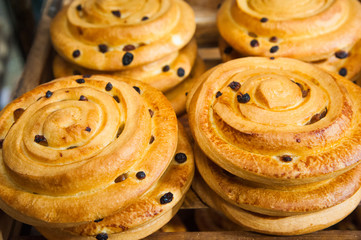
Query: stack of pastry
(93, 158)
(325, 33)
(150, 41)
(279, 144)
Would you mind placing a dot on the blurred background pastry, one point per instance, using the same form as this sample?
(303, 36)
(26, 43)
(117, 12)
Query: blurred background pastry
(325, 33)
(149, 41)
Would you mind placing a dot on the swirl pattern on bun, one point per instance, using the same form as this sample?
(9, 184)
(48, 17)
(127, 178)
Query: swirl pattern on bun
(277, 121)
(114, 35)
(72, 149)
(146, 214)
(321, 32)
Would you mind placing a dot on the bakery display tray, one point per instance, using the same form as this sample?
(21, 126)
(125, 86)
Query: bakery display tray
(38, 70)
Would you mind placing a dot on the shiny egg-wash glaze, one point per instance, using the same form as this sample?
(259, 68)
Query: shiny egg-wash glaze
(282, 144)
(324, 33)
(78, 150)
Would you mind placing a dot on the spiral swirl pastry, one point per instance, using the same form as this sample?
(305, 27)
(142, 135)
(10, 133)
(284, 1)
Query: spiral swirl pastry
(146, 214)
(277, 121)
(310, 30)
(71, 149)
(115, 35)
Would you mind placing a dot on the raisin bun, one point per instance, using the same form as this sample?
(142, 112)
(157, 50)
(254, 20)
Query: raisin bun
(163, 74)
(278, 121)
(85, 154)
(325, 33)
(148, 213)
(151, 41)
(114, 35)
(279, 144)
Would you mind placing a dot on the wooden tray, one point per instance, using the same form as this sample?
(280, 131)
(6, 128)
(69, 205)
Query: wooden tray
(38, 70)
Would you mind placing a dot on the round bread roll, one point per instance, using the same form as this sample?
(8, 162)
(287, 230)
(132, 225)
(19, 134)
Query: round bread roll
(115, 35)
(291, 225)
(146, 214)
(277, 122)
(322, 32)
(78, 149)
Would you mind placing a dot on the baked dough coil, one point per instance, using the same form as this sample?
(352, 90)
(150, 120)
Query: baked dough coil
(276, 122)
(115, 35)
(323, 32)
(146, 214)
(72, 148)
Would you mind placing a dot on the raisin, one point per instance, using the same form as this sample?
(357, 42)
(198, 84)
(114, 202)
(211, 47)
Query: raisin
(166, 198)
(180, 157)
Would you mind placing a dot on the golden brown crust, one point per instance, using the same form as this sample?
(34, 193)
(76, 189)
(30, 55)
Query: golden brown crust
(91, 143)
(136, 233)
(284, 134)
(178, 94)
(227, 52)
(155, 28)
(292, 225)
(351, 63)
(277, 200)
(332, 63)
(151, 73)
(306, 30)
(312, 31)
(173, 86)
(148, 208)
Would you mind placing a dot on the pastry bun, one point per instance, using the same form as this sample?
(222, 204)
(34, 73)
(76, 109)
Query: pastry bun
(322, 32)
(72, 149)
(116, 35)
(277, 122)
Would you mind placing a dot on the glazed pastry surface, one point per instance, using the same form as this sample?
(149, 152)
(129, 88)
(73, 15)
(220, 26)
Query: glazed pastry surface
(291, 225)
(115, 35)
(276, 200)
(277, 121)
(71, 149)
(161, 74)
(146, 214)
(322, 32)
